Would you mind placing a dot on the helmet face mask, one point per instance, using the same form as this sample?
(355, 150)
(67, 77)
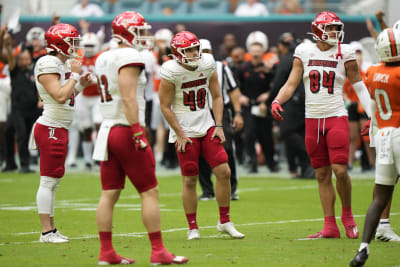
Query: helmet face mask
(388, 45)
(321, 30)
(132, 29)
(180, 43)
(63, 39)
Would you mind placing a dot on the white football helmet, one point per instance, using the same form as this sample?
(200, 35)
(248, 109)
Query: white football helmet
(90, 44)
(257, 37)
(388, 45)
(35, 33)
(164, 35)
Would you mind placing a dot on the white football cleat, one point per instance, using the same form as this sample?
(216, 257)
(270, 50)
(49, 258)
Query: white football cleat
(386, 234)
(193, 234)
(230, 229)
(61, 235)
(51, 238)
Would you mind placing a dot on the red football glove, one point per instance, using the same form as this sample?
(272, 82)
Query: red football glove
(276, 110)
(139, 137)
(365, 129)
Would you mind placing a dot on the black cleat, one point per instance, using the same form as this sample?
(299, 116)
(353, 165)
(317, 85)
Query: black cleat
(360, 258)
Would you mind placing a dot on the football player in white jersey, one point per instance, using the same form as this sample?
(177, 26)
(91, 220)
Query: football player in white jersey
(121, 145)
(58, 79)
(185, 84)
(323, 66)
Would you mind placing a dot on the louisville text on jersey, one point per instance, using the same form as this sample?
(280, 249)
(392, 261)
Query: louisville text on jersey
(194, 83)
(324, 63)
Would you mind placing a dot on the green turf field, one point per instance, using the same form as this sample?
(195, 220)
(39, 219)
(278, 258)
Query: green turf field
(273, 213)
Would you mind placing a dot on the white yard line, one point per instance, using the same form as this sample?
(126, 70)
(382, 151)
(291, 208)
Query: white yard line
(143, 234)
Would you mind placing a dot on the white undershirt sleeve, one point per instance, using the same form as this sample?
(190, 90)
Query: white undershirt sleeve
(363, 96)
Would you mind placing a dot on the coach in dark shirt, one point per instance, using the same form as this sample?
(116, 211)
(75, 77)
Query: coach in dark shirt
(292, 128)
(24, 102)
(254, 80)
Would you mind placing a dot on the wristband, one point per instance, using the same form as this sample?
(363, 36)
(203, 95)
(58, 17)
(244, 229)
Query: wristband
(137, 129)
(75, 76)
(238, 113)
(276, 101)
(218, 126)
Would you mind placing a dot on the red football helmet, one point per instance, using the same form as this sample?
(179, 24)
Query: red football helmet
(131, 28)
(182, 41)
(319, 24)
(63, 39)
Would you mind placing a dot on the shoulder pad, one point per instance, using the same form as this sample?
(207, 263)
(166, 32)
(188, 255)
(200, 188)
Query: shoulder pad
(48, 64)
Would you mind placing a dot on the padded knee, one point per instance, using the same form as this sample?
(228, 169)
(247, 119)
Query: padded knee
(49, 182)
(190, 169)
(45, 194)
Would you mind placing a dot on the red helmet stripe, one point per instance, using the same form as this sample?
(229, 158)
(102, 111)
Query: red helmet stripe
(393, 46)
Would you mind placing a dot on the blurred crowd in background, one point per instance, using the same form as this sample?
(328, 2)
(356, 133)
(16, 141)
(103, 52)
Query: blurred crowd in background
(258, 68)
(99, 8)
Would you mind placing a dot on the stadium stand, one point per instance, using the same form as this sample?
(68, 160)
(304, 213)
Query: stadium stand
(177, 7)
(203, 7)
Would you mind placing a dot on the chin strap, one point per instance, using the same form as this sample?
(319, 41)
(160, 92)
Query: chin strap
(339, 53)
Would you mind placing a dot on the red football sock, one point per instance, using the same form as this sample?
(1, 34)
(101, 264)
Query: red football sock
(156, 241)
(330, 223)
(346, 212)
(106, 241)
(191, 218)
(224, 214)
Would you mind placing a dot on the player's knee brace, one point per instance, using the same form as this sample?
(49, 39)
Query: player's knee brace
(190, 169)
(49, 182)
(45, 194)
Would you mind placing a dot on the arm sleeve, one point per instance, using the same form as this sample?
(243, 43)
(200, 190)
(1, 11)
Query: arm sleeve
(363, 96)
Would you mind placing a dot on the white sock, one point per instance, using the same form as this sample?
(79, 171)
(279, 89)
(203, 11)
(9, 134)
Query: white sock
(364, 245)
(73, 143)
(44, 196)
(87, 148)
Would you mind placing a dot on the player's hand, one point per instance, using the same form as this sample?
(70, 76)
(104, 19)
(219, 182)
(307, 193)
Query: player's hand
(76, 66)
(276, 110)
(86, 79)
(139, 138)
(238, 122)
(181, 142)
(263, 108)
(218, 132)
(365, 129)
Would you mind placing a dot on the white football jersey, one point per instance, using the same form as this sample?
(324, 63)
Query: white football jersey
(190, 103)
(54, 113)
(150, 63)
(107, 68)
(324, 77)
